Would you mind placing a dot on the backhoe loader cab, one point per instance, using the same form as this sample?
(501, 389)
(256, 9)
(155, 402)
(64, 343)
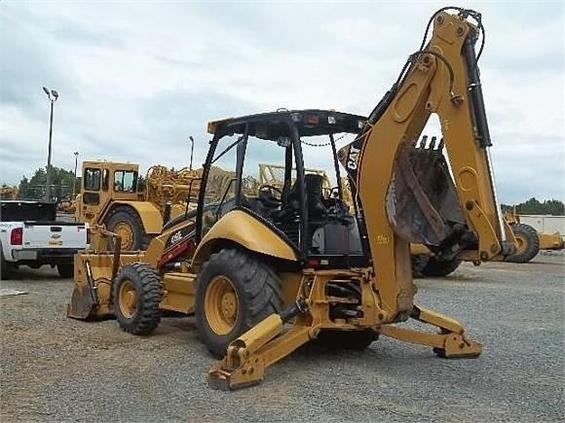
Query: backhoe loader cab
(313, 224)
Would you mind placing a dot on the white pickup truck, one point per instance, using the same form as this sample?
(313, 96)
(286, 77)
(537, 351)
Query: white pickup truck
(30, 235)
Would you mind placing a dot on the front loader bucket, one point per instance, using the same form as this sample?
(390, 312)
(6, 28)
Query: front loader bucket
(84, 299)
(421, 202)
(82, 305)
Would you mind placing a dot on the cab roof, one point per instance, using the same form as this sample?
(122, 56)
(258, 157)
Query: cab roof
(273, 125)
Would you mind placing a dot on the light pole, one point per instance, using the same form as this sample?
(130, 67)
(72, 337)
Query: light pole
(52, 96)
(75, 181)
(191, 150)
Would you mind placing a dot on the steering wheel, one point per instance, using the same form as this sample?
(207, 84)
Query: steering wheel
(267, 197)
(334, 193)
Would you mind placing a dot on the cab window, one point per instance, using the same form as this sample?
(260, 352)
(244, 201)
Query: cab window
(125, 181)
(92, 179)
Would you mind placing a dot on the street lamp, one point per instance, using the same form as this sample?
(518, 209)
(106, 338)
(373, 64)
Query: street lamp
(75, 181)
(191, 150)
(52, 96)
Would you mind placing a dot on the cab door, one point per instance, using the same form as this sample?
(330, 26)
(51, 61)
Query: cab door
(94, 185)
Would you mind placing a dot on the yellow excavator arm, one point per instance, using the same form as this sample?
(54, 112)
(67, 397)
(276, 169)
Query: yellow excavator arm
(441, 78)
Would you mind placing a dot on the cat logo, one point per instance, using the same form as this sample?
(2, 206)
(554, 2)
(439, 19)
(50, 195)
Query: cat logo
(352, 158)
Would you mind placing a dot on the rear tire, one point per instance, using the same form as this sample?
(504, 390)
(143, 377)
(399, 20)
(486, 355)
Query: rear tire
(5, 267)
(439, 268)
(126, 222)
(346, 340)
(66, 270)
(234, 292)
(137, 293)
(528, 243)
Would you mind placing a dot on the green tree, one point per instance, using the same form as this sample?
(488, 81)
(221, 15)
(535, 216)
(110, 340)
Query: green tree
(61, 184)
(533, 206)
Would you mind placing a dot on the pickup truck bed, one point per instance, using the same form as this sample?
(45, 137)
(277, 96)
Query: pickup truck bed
(30, 235)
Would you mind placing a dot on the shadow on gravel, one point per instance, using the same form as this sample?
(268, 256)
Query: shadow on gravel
(29, 274)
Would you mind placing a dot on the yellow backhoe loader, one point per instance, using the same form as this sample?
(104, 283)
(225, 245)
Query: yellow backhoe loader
(266, 273)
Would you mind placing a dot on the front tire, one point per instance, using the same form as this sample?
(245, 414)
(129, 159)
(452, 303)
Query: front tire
(234, 292)
(137, 293)
(528, 243)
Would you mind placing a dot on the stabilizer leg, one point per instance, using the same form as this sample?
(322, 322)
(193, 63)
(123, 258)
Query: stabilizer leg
(249, 355)
(449, 343)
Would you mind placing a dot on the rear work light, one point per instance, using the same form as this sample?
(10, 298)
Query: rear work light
(16, 236)
(313, 119)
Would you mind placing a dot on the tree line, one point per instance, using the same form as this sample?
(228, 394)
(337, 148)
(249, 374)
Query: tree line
(534, 206)
(62, 182)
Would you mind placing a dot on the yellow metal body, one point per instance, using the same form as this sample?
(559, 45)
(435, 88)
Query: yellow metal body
(550, 241)
(243, 230)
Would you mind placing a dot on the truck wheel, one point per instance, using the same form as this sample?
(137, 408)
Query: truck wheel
(137, 293)
(5, 267)
(234, 292)
(126, 222)
(438, 268)
(527, 241)
(66, 270)
(346, 340)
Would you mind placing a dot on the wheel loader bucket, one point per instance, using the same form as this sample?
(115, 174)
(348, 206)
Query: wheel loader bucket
(82, 305)
(83, 299)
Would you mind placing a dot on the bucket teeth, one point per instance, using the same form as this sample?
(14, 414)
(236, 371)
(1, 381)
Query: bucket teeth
(428, 144)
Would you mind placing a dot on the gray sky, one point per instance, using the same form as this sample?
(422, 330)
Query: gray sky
(137, 78)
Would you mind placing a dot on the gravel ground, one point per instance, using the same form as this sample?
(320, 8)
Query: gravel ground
(58, 369)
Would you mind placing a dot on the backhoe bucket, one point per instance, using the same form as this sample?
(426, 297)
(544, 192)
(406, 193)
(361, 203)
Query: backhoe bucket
(421, 199)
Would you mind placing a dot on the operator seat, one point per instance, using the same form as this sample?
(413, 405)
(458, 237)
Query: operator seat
(314, 197)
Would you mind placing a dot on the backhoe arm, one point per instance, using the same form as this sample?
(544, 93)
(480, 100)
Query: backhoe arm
(443, 78)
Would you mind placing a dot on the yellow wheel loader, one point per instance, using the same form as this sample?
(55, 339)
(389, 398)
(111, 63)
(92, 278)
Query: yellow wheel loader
(266, 273)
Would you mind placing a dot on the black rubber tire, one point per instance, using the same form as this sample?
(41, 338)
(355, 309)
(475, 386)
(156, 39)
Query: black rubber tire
(5, 267)
(439, 268)
(66, 270)
(346, 340)
(258, 290)
(530, 238)
(129, 216)
(147, 284)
